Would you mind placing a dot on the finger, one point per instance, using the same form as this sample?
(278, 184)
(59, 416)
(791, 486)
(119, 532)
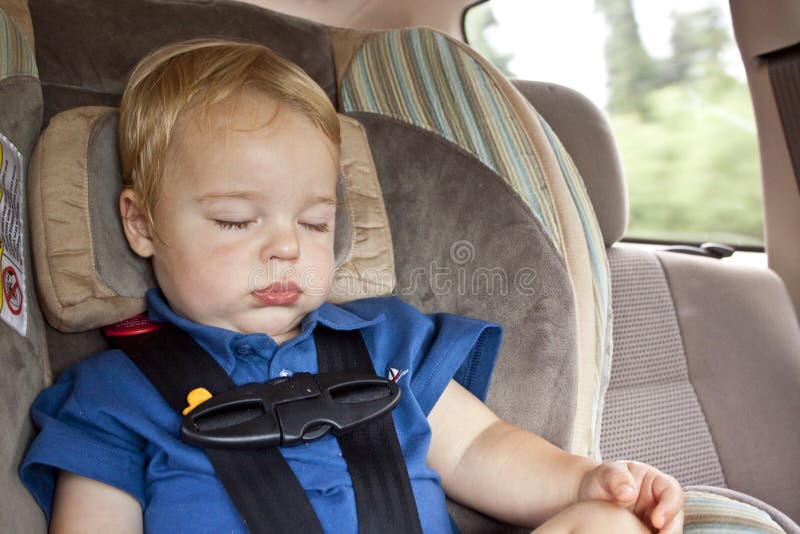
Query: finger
(669, 495)
(621, 484)
(675, 526)
(645, 501)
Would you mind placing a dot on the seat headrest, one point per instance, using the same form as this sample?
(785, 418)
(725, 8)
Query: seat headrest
(88, 277)
(88, 68)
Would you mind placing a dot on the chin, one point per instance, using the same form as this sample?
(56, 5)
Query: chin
(272, 323)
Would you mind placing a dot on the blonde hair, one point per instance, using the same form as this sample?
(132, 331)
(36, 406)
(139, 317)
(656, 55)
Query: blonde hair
(195, 75)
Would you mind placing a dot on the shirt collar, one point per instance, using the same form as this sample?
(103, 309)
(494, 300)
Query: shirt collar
(226, 345)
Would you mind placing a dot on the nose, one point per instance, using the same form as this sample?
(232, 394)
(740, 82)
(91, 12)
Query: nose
(280, 244)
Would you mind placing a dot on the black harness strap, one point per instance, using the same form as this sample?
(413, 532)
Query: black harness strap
(260, 483)
(384, 499)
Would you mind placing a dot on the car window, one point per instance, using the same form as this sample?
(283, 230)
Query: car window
(669, 76)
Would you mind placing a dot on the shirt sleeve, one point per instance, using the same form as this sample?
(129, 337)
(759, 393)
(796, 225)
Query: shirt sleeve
(431, 348)
(81, 432)
(460, 348)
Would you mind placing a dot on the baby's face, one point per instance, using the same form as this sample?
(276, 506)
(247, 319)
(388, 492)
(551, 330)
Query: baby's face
(247, 218)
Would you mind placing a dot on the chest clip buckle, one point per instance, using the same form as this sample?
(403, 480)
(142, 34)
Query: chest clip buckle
(288, 410)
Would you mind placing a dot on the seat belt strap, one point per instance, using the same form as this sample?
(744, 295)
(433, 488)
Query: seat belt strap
(384, 500)
(260, 483)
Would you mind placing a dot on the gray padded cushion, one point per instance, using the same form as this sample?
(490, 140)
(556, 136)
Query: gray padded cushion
(651, 410)
(23, 360)
(742, 344)
(438, 196)
(586, 134)
(90, 68)
(21, 112)
(117, 265)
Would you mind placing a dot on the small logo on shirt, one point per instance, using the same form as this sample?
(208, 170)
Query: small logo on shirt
(395, 374)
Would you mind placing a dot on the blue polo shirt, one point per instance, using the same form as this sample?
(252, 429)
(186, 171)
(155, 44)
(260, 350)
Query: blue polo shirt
(104, 420)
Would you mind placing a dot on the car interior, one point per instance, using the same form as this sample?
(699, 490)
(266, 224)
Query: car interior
(462, 190)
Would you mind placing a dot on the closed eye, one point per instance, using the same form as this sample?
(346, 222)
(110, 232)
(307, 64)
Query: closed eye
(232, 225)
(322, 227)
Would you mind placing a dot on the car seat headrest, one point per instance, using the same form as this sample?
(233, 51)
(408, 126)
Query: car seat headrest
(90, 68)
(586, 134)
(86, 274)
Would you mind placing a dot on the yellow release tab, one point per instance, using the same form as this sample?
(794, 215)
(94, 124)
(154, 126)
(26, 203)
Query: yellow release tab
(196, 397)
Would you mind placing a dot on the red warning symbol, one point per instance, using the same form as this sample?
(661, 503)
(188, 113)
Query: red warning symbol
(12, 291)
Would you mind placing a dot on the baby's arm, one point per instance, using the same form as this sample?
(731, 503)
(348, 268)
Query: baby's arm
(88, 506)
(521, 478)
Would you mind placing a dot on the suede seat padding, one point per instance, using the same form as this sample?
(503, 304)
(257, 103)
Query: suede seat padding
(132, 28)
(117, 266)
(438, 196)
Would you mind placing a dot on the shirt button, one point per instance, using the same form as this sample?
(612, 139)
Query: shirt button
(243, 349)
(285, 372)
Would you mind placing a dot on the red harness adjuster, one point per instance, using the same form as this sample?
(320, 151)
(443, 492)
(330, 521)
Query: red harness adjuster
(138, 324)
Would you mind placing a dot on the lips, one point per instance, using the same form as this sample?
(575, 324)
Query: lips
(278, 294)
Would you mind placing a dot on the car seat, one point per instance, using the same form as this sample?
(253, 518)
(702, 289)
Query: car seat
(456, 201)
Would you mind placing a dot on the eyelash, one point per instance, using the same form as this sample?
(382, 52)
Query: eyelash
(232, 225)
(316, 227)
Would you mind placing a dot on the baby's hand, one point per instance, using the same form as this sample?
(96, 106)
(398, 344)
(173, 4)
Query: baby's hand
(655, 498)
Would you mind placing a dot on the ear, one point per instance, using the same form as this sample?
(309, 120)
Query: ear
(134, 223)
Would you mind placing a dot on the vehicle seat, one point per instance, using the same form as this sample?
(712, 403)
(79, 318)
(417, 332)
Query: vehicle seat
(705, 376)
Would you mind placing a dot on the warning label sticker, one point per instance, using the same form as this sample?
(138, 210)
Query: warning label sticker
(12, 240)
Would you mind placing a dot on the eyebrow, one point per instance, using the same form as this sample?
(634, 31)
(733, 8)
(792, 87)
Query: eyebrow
(245, 195)
(324, 200)
(249, 195)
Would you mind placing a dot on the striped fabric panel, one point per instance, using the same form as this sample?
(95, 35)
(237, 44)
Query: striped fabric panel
(438, 87)
(709, 513)
(16, 57)
(601, 277)
(418, 76)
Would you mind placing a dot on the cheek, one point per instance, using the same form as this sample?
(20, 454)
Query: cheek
(204, 265)
(318, 267)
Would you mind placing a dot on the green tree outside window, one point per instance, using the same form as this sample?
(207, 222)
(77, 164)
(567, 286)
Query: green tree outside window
(684, 125)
